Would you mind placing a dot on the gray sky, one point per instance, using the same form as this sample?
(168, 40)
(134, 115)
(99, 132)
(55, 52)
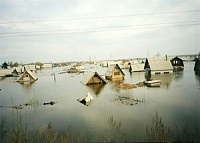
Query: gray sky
(69, 30)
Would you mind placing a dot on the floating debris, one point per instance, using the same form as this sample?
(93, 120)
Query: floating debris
(153, 83)
(17, 107)
(73, 70)
(127, 100)
(126, 86)
(86, 100)
(50, 103)
(140, 84)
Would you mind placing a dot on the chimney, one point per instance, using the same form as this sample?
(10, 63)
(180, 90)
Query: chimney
(166, 57)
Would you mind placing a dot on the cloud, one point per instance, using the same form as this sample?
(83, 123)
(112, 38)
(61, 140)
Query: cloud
(79, 44)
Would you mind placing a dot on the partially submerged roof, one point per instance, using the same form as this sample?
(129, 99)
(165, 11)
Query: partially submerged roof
(112, 68)
(30, 67)
(177, 61)
(90, 75)
(159, 63)
(177, 58)
(4, 72)
(30, 74)
(137, 67)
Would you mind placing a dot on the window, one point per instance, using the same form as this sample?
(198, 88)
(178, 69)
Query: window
(157, 73)
(116, 73)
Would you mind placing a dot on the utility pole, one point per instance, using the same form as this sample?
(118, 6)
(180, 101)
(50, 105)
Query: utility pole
(148, 53)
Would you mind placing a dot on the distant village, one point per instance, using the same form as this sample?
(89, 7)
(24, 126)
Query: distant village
(114, 72)
(155, 65)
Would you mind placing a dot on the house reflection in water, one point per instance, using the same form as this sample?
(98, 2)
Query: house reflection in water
(96, 88)
(166, 79)
(178, 75)
(197, 78)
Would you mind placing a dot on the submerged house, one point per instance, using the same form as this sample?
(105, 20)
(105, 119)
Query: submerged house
(47, 65)
(29, 67)
(93, 78)
(158, 65)
(177, 63)
(6, 72)
(27, 76)
(115, 73)
(139, 67)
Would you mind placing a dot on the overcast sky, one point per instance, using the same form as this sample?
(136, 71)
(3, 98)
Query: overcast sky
(70, 30)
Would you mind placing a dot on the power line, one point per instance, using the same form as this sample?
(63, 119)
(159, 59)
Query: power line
(100, 17)
(109, 27)
(99, 31)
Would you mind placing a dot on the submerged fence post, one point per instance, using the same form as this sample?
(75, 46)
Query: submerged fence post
(54, 77)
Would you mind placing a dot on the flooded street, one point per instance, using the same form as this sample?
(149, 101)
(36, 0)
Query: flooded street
(176, 101)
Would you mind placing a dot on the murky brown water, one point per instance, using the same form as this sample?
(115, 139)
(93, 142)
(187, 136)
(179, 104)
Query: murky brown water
(177, 101)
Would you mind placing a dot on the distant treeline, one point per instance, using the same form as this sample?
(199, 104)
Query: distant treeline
(5, 65)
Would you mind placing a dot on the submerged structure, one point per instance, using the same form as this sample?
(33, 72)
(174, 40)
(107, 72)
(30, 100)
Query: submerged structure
(137, 67)
(115, 73)
(197, 65)
(177, 63)
(93, 78)
(86, 100)
(158, 65)
(27, 76)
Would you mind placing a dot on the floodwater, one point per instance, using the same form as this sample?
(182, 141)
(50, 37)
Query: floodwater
(177, 102)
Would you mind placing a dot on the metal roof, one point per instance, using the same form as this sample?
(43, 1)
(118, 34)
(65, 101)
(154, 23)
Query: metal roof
(160, 63)
(89, 75)
(137, 67)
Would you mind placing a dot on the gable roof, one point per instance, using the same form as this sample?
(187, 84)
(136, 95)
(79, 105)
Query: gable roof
(159, 64)
(89, 76)
(4, 72)
(27, 72)
(137, 67)
(112, 68)
(176, 58)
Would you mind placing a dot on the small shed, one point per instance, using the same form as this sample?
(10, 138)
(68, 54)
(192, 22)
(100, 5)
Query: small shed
(27, 76)
(93, 78)
(115, 73)
(158, 65)
(177, 63)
